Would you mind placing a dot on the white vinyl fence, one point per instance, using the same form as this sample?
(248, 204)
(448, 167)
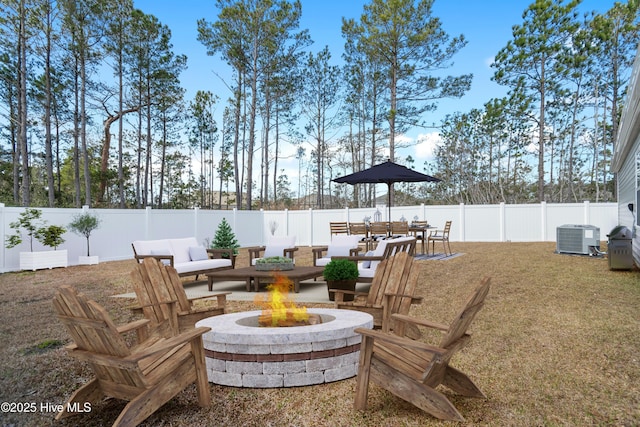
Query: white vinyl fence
(471, 223)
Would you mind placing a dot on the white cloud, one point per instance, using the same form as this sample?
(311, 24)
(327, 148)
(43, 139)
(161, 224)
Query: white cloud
(489, 61)
(426, 144)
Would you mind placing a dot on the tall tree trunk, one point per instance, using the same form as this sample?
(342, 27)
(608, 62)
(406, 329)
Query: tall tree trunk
(76, 135)
(252, 134)
(275, 160)
(22, 106)
(83, 130)
(163, 156)
(265, 151)
(47, 109)
(104, 157)
(148, 175)
(541, 144)
(16, 146)
(236, 141)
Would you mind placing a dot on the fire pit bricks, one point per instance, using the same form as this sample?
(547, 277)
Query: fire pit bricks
(241, 354)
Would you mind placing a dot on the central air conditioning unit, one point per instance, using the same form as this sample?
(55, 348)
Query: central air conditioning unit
(577, 239)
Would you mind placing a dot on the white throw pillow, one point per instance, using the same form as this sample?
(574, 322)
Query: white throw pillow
(274, 250)
(198, 253)
(286, 241)
(367, 264)
(351, 241)
(335, 250)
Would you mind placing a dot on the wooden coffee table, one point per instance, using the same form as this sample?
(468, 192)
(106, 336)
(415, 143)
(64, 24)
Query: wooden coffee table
(250, 273)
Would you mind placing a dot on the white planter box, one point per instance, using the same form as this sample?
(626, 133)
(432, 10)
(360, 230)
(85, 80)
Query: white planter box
(45, 259)
(88, 260)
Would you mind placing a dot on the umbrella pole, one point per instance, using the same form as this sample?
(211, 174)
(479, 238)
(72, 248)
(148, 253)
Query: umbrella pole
(389, 204)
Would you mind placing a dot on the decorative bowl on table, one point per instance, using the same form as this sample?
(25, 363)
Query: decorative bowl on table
(274, 263)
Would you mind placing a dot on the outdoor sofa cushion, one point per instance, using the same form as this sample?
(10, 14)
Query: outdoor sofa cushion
(340, 246)
(370, 270)
(275, 247)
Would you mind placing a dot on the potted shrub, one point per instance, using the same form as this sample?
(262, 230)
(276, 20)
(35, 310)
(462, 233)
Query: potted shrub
(49, 235)
(83, 224)
(341, 274)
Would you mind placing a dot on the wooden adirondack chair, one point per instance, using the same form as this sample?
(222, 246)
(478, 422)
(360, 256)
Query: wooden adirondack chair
(412, 369)
(368, 264)
(156, 284)
(147, 375)
(392, 290)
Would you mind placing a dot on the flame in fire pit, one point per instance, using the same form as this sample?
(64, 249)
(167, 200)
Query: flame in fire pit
(277, 308)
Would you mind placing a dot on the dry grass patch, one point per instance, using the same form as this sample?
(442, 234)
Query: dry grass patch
(556, 344)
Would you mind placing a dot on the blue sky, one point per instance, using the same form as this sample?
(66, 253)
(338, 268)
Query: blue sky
(486, 24)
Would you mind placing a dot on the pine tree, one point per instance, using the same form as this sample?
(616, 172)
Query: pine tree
(225, 238)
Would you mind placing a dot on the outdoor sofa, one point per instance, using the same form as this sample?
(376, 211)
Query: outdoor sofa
(185, 255)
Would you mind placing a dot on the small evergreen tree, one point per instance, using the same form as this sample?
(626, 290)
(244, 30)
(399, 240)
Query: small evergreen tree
(225, 238)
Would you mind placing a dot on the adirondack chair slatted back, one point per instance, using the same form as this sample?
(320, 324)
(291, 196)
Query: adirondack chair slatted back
(174, 287)
(150, 285)
(162, 297)
(402, 304)
(395, 275)
(391, 274)
(397, 245)
(94, 332)
(460, 324)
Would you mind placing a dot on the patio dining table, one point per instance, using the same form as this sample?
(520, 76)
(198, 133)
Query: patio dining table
(419, 231)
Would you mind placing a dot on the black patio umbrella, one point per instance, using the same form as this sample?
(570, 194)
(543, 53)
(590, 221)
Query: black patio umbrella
(386, 173)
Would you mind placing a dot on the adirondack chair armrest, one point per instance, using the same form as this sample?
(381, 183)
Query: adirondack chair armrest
(138, 308)
(401, 341)
(347, 292)
(414, 299)
(420, 322)
(100, 359)
(140, 258)
(220, 296)
(133, 326)
(168, 344)
(217, 253)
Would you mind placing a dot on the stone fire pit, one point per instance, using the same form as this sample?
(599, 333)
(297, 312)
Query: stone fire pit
(241, 354)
